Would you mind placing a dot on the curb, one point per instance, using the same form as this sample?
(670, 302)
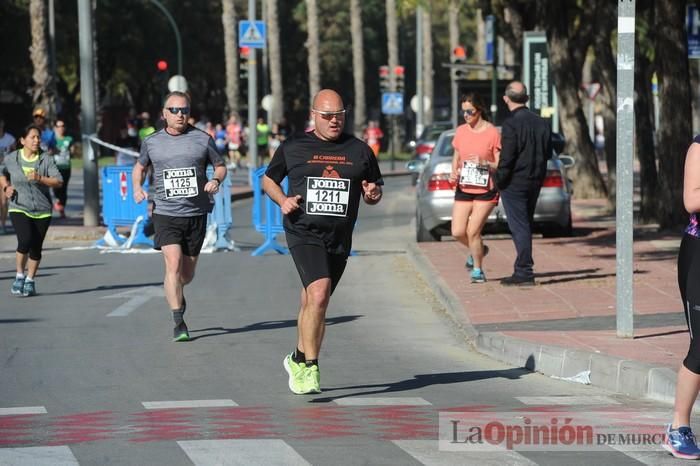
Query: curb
(621, 376)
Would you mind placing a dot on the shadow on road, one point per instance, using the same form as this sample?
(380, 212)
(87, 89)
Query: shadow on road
(426, 380)
(266, 325)
(103, 288)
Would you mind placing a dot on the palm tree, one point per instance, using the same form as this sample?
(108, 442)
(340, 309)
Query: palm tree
(313, 46)
(43, 93)
(358, 66)
(273, 43)
(428, 87)
(229, 20)
(392, 34)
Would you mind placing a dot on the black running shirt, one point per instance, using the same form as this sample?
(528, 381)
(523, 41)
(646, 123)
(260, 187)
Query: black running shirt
(328, 175)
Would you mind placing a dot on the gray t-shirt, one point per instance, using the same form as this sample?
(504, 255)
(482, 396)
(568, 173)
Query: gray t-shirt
(180, 168)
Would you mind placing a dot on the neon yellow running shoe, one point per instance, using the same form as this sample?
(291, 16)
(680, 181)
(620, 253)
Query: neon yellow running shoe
(296, 372)
(312, 380)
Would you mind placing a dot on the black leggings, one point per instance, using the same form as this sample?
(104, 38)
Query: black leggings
(30, 234)
(689, 285)
(61, 193)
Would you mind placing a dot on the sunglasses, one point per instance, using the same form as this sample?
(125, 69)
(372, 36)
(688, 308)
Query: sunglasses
(175, 110)
(470, 111)
(329, 115)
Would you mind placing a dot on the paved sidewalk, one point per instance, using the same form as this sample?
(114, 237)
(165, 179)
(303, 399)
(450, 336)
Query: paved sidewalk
(567, 324)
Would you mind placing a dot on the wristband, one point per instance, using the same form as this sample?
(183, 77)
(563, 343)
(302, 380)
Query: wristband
(218, 181)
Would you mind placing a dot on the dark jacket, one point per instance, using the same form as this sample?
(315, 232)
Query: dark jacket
(526, 145)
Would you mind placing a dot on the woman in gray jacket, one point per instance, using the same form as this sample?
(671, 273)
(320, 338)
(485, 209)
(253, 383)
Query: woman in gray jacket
(26, 178)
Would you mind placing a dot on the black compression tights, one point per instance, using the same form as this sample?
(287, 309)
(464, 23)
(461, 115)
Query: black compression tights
(689, 285)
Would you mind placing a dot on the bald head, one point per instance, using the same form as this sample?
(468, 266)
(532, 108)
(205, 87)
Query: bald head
(327, 100)
(328, 114)
(517, 92)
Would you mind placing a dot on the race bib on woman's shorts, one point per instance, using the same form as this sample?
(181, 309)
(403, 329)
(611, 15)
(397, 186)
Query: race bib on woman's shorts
(180, 182)
(327, 196)
(474, 175)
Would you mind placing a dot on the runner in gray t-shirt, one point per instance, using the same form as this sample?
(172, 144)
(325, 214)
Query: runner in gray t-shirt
(179, 155)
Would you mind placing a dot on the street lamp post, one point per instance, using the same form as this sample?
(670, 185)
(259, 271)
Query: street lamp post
(178, 40)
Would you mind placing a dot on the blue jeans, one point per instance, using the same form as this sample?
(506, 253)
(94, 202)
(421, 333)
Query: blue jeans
(519, 204)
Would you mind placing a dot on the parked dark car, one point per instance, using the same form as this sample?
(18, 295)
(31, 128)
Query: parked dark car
(435, 195)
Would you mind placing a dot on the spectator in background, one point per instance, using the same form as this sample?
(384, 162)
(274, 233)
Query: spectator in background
(234, 137)
(7, 145)
(220, 138)
(132, 124)
(64, 150)
(127, 141)
(48, 138)
(373, 136)
(147, 127)
(263, 134)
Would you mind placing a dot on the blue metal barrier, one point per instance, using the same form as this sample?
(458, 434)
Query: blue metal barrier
(221, 214)
(269, 224)
(120, 209)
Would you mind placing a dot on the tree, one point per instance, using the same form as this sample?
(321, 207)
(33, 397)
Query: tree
(569, 34)
(43, 93)
(358, 66)
(453, 15)
(273, 42)
(392, 33)
(428, 87)
(229, 21)
(643, 110)
(313, 46)
(674, 132)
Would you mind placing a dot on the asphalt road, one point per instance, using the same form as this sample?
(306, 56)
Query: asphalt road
(90, 376)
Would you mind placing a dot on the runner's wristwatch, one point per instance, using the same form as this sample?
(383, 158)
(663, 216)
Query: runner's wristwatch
(218, 181)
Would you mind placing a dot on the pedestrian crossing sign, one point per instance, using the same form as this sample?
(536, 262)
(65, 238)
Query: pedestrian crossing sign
(251, 34)
(392, 103)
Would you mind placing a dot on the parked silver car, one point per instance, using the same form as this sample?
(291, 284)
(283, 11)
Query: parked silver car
(435, 195)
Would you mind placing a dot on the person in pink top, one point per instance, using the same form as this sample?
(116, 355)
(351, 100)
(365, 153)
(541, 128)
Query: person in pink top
(477, 146)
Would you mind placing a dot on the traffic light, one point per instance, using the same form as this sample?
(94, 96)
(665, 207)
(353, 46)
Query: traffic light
(459, 57)
(399, 73)
(162, 66)
(244, 54)
(384, 78)
(162, 76)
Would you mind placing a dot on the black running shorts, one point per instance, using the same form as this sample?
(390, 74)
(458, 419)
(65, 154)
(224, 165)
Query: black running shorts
(489, 196)
(314, 262)
(188, 232)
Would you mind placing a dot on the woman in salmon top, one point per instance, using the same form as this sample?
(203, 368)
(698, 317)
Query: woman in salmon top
(477, 142)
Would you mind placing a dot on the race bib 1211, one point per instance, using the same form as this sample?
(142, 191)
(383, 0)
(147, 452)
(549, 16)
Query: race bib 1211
(327, 196)
(474, 175)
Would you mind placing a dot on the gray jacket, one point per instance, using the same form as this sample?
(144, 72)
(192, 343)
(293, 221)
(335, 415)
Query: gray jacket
(30, 196)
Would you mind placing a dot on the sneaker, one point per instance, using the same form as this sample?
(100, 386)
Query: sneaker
(180, 333)
(312, 380)
(478, 276)
(681, 443)
(29, 288)
(517, 281)
(296, 374)
(470, 259)
(17, 286)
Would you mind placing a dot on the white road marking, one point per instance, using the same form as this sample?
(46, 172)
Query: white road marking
(566, 400)
(241, 452)
(22, 410)
(385, 401)
(38, 456)
(188, 404)
(136, 298)
(428, 453)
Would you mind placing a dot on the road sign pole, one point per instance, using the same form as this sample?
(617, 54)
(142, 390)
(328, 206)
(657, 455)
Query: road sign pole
(393, 149)
(624, 238)
(252, 100)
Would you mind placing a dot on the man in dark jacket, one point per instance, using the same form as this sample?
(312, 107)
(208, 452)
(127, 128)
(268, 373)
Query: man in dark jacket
(526, 145)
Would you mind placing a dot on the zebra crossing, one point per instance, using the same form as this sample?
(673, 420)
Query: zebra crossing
(287, 450)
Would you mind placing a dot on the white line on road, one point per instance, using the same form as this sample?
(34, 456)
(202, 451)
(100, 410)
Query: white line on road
(386, 401)
(22, 410)
(428, 452)
(188, 404)
(241, 452)
(136, 298)
(564, 400)
(38, 456)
